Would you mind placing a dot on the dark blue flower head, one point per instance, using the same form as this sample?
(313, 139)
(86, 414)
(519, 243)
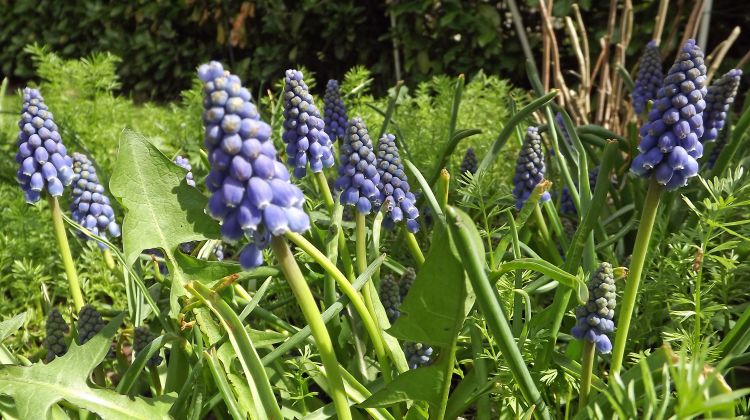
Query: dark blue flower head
(417, 354)
(407, 279)
(54, 342)
(43, 159)
(469, 162)
(395, 193)
(719, 98)
(595, 317)
(89, 207)
(358, 175)
(185, 164)
(390, 297)
(564, 130)
(304, 134)
(142, 337)
(334, 112)
(566, 200)
(649, 78)
(670, 140)
(250, 190)
(529, 168)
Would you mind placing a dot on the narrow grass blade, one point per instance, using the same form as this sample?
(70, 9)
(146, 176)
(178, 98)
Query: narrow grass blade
(541, 266)
(220, 379)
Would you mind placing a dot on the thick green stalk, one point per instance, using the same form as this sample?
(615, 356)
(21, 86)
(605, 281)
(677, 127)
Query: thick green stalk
(416, 252)
(587, 369)
(480, 367)
(312, 315)
(108, 259)
(65, 255)
(648, 217)
(541, 224)
(361, 255)
(325, 191)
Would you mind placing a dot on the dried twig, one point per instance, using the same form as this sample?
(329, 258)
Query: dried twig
(586, 56)
(582, 102)
(718, 54)
(691, 28)
(661, 16)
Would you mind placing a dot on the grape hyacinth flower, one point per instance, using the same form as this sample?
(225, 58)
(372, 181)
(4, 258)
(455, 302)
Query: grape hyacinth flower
(529, 168)
(407, 279)
(55, 329)
(394, 187)
(595, 317)
(649, 78)
(719, 98)
(566, 200)
(42, 156)
(417, 354)
(358, 175)
(89, 207)
(670, 140)
(184, 163)
(304, 134)
(564, 130)
(334, 112)
(250, 190)
(90, 322)
(390, 297)
(142, 336)
(469, 162)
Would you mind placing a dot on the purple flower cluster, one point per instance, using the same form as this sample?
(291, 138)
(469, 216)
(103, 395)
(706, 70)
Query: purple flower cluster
(250, 189)
(417, 354)
(564, 130)
(334, 112)
(43, 159)
(719, 98)
(649, 78)
(595, 317)
(469, 162)
(142, 337)
(184, 163)
(55, 329)
(89, 207)
(394, 188)
(529, 168)
(390, 297)
(670, 140)
(304, 134)
(90, 322)
(358, 175)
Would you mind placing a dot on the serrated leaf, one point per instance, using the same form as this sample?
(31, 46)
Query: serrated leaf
(35, 389)
(162, 211)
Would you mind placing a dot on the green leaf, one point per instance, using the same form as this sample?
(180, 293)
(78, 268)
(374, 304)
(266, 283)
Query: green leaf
(541, 266)
(35, 389)
(162, 211)
(209, 271)
(423, 384)
(10, 326)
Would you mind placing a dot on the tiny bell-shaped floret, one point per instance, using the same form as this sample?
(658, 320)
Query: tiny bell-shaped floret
(89, 206)
(649, 78)
(395, 194)
(250, 190)
(358, 174)
(417, 354)
(529, 168)
(184, 163)
(595, 318)
(334, 112)
(306, 140)
(44, 164)
(469, 162)
(719, 98)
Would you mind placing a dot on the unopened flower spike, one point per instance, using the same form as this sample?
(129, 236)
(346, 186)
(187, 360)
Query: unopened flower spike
(90, 207)
(529, 168)
(469, 162)
(390, 297)
(184, 163)
(395, 193)
(670, 140)
(250, 190)
(649, 78)
(358, 175)
(304, 134)
(90, 322)
(43, 160)
(142, 336)
(719, 98)
(595, 318)
(55, 329)
(334, 112)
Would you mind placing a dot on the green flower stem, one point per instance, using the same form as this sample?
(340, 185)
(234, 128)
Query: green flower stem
(313, 317)
(546, 238)
(67, 258)
(361, 254)
(480, 367)
(416, 252)
(356, 299)
(587, 369)
(325, 191)
(648, 217)
(108, 259)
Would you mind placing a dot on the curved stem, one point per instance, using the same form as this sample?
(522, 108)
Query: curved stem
(546, 238)
(356, 299)
(648, 217)
(65, 255)
(587, 369)
(312, 315)
(416, 252)
(325, 191)
(361, 255)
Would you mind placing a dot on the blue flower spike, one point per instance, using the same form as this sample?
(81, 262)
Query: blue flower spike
(89, 207)
(649, 78)
(469, 162)
(358, 174)
(395, 193)
(334, 112)
(719, 98)
(529, 168)
(304, 134)
(595, 318)
(250, 190)
(670, 140)
(43, 160)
